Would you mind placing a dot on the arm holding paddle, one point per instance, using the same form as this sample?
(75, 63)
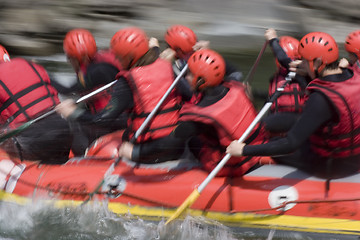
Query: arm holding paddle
(119, 42)
(24, 126)
(120, 100)
(196, 193)
(126, 150)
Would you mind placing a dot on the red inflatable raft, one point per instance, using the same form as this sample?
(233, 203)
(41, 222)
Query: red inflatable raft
(272, 196)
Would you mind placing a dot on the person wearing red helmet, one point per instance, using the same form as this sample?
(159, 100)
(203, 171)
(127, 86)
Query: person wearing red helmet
(325, 140)
(352, 46)
(287, 107)
(182, 43)
(149, 78)
(138, 89)
(26, 93)
(94, 68)
(215, 120)
(182, 40)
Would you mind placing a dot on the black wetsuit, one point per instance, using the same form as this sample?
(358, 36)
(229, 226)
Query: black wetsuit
(173, 145)
(279, 122)
(294, 149)
(97, 74)
(121, 101)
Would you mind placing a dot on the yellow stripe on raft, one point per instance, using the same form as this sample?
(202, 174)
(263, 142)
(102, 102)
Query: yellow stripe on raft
(280, 222)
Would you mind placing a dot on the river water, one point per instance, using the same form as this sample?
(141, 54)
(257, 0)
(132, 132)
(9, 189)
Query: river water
(39, 221)
(93, 221)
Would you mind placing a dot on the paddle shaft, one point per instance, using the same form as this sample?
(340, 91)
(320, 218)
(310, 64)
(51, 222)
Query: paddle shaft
(111, 169)
(247, 132)
(83, 98)
(87, 96)
(196, 193)
(24, 126)
(161, 101)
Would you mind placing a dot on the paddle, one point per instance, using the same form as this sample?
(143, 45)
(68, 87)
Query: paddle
(196, 193)
(24, 126)
(161, 101)
(138, 132)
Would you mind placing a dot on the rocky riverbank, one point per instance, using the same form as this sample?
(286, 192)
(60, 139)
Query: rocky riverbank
(37, 27)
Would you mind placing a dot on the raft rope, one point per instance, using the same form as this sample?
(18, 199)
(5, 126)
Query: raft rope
(115, 192)
(86, 193)
(282, 206)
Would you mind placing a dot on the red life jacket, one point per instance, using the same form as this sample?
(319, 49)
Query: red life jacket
(230, 116)
(149, 84)
(292, 99)
(25, 92)
(100, 100)
(341, 137)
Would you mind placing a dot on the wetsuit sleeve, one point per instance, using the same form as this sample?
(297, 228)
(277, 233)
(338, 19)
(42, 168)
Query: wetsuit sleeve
(279, 53)
(317, 112)
(167, 148)
(302, 81)
(171, 146)
(121, 99)
(231, 72)
(185, 130)
(156, 50)
(99, 74)
(182, 88)
(76, 87)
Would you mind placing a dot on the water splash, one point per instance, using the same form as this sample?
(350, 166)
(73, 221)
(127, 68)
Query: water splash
(94, 221)
(195, 228)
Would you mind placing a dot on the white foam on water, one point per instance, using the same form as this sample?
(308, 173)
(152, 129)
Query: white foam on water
(94, 221)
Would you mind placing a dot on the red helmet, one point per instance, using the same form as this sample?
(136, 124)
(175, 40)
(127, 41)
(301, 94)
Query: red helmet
(290, 46)
(80, 43)
(207, 65)
(318, 45)
(4, 55)
(352, 43)
(130, 43)
(180, 37)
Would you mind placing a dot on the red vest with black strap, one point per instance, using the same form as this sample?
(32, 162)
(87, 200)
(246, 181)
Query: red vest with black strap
(341, 137)
(25, 92)
(149, 84)
(292, 99)
(100, 100)
(230, 116)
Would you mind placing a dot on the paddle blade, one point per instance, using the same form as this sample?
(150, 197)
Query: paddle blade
(186, 204)
(14, 132)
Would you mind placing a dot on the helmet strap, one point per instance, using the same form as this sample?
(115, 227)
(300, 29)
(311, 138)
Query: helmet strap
(126, 62)
(131, 63)
(312, 70)
(316, 71)
(320, 67)
(200, 81)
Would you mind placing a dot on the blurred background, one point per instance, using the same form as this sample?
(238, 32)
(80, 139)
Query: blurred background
(37, 27)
